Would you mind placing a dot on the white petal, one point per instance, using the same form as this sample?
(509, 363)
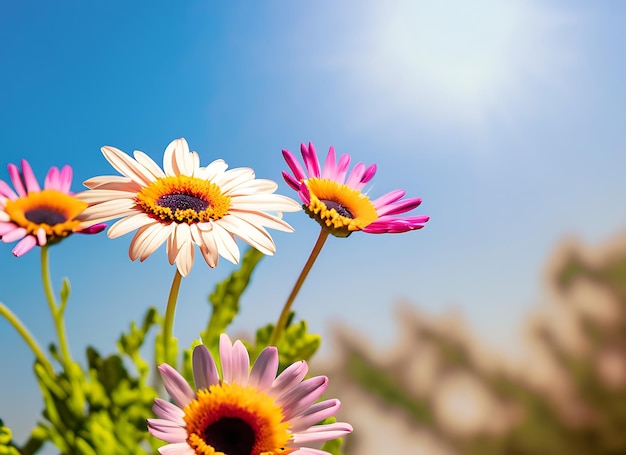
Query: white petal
(126, 165)
(254, 236)
(112, 182)
(149, 164)
(231, 179)
(262, 219)
(130, 223)
(212, 171)
(267, 203)
(99, 195)
(226, 244)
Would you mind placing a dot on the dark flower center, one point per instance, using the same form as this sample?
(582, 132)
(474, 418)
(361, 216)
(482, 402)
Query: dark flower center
(340, 209)
(231, 436)
(43, 216)
(182, 202)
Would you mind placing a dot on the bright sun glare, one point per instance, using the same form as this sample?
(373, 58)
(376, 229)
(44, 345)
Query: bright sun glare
(456, 60)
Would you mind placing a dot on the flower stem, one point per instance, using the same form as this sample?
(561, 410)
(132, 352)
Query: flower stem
(26, 335)
(56, 310)
(284, 315)
(168, 323)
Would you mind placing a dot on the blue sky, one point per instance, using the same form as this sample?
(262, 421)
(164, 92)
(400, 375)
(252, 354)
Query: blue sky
(507, 119)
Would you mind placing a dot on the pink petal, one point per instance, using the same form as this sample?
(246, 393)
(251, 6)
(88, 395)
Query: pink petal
(176, 386)
(329, 170)
(226, 358)
(314, 414)
(302, 396)
(16, 179)
(318, 433)
(166, 430)
(6, 191)
(24, 246)
(357, 173)
(168, 411)
(15, 234)
(32, 185)
(264, 370)
(204, 368)
(289, 378)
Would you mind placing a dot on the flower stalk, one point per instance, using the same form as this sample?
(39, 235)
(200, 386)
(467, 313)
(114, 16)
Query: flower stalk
(168, 323)
(284, 315)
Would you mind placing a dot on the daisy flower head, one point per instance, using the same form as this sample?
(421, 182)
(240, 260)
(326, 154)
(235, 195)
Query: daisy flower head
(246, 412)
(335, 199)
(185, 204)
(36, 217)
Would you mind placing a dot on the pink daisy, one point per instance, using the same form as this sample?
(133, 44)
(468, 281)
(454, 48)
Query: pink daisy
(39, 217)
(246, 412)
(336, 201)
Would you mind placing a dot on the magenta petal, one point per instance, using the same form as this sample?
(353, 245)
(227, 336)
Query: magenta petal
(294, 165)
(369, 174)
(310, 159)
(388, 198)
(399, 207)
(204, 368)
(99, 227)
(291, 181)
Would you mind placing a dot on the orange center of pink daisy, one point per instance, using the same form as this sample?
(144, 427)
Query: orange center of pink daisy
(339, 208)
(230, 419)
(183, 199)
(50, 210)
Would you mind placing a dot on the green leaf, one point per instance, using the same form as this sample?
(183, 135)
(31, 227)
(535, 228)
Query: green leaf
(225, 299)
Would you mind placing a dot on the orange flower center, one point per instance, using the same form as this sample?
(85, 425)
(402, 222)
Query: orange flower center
(50, 210)
(183, 199)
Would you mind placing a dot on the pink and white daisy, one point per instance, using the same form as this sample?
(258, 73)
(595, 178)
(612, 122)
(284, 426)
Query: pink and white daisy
(185, 205)
(246, 412)
(336, 201)
(39, 217)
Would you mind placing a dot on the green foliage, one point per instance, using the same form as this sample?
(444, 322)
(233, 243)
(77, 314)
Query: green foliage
(6, 446)
(296, 343)
(102, 410)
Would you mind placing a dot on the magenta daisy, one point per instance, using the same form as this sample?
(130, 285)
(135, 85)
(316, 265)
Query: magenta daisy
(246, 412)
(185, 205)
(336, 200)
(37, 217)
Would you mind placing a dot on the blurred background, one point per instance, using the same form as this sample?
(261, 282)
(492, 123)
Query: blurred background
(487, 331)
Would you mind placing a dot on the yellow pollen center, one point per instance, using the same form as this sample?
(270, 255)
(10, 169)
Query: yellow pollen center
(50, 210)
(229, 419)
(339, 207)
(183, 199)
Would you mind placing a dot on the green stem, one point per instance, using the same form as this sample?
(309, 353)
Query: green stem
(168, 323)
(55, 310)
(284, 315)
(26, 335)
